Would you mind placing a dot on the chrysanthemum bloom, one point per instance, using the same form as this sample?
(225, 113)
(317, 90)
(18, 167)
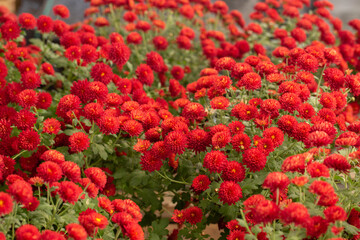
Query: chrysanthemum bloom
(193, 111)
(215, 161)
(69, 192)
(335, 213)
(233, 171)
(49, 171)
(270, 107)
(276, 180)
(300, 181)
(318, 139)
(27, 232)
(230, 192)
(28, 140)
(60, 27)
(133, 127)
(337, 162)
(71, 170)
(67, 103)
(102, 72)
(155, 61)
(287, 124)
(47, 68)
(97, 176)
(244, 112)
(21, 191)
(236, 127)
(5, 128)
(295, 213)
(160, 42)
(265, 211)
(91, 189)
(61, 10)
(10, 30)
(76, 231)
(150, 162)
(53, 155)
(193, 215)
(6, 204)
(145, 74)
(328, 100)
(198, 140)
(220, 139)
(91, 220)
(108, 124)
(254, 159)
(176, 141)
(27, 98)
(44, 24)
(275, 134)
(316, 169)
(335, 77)
(240, 69)
(122, 219)
(49, 235)
(119, 53)
(251, 81)
(27, 21)
(308, 62)
(236, 235)
(321, 188)
(225, 63)
(178, 216)
(316, 226)
(79, 142)
(89, 53)
(290, 102)
(73, 53)
(51, 126)
(30, 80)
(24, 119)
(200, 183)
(105, 204)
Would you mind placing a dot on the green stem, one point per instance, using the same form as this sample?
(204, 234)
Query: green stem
(171, 180)
(246, 225)
(117, 233)
(19, 154)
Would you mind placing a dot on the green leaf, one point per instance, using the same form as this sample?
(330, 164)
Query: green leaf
(350, 228)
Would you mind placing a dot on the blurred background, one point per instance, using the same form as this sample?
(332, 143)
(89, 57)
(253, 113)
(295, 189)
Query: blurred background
(343, 9)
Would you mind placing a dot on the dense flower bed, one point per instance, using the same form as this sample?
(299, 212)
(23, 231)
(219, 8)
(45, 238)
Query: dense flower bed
(253, 127)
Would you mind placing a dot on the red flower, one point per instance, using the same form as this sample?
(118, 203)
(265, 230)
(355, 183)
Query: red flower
(133, 127)
(44, 24)
(27, 98)
(233, 171)
(156, 62)
(275, 134)
(335, 213)
(91, 220)
(73, 53)
(193, 215)
(76, 231)
(264, 211)
(6, 204)
(236, 235)
(102, 72)
(316, 226)
(295, 213)
(119, 53)
(51, 235)
(276, 180)
(49, 171)
(160, 43)
(69, 192)
(79, 142)
(337, 162)
(27, 21)
(28, 140)
(21, 191)
(316, 169)
(51, 126)
(53, 155)
(176, 141)
(178, 216)
(254, 159)
(241, 142)
(290, 102)
(244, 112)
(193, 111)
(89, 53)
(251, 81)
(145, 74)
(308, 62)
(10, 30)
(71, 170)
(198, 140)
(200, 183)
(97, 176)
(321, 188)
(108, 124)
(61, 10)
(230, 192)
(27, 232)
(215, 161)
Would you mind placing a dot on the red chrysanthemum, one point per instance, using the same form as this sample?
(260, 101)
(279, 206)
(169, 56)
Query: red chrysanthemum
(316, 169)
(200, 183)
(254, 159)
(51, 126)
(119, 53)
(28, 140)
(76, 231)
(230, 192)
(27, 21)
(97, 176)
(335, 213)
(53, 155)
(27, 232)
(102, 72)
(193, 215)
(276, 180)
(49, 171)
(44, 24)
(108, 124)
(79, 142)
(295, 213)
(21, 191)
(215, 161)
(10, 30)
(337, 162)
(308, 62)
(69, 192)
(61, 10)
(6, 204)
